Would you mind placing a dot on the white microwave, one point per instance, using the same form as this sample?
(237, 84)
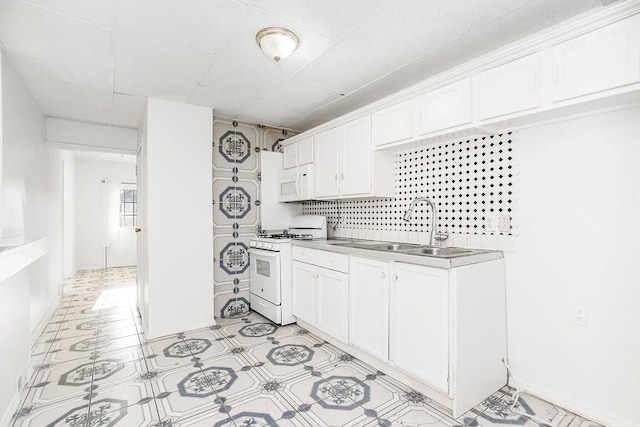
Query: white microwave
(296, 184)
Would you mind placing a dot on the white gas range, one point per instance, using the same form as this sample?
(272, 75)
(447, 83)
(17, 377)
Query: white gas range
(271, 267)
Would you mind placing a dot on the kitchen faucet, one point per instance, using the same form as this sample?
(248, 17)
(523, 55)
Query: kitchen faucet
(433, 236)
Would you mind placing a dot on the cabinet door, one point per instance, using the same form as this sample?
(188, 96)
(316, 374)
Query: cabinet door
(419, 330)
(356, 156)
(303, 291)
(444, 108)
(306, 151)
(333, 296)
(509, 88)
(603, 59)
(369, 306)
(327, 164)
(393, 124)
(290, 156)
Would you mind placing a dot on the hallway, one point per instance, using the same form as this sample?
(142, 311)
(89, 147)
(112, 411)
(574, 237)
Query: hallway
(91, 368)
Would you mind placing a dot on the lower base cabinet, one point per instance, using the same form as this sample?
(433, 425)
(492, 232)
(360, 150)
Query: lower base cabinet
(419, 323)
(438, 327)
(320, 295)
(369, 306)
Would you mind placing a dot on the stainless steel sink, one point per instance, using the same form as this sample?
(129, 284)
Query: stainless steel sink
(440, 252)
(393, 247)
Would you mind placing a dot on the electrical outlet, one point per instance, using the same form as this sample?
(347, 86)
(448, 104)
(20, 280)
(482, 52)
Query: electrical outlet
(580, 315)
(491, 223)
(504, 223)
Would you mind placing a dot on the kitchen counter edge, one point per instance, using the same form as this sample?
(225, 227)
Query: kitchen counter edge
(429, 261)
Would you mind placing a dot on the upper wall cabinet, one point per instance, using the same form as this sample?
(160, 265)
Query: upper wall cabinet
(299, 153)
(599, 60)
(508, 88)
(347, 166)
(444, 108)
(393, 124)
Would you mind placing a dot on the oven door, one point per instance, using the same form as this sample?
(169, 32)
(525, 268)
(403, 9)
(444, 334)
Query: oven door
(265, 275)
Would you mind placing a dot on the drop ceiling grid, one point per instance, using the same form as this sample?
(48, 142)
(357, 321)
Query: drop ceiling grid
(469, 180)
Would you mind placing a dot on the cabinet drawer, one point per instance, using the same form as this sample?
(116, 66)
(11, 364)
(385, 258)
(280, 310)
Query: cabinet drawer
(333, 261)
(304, 255)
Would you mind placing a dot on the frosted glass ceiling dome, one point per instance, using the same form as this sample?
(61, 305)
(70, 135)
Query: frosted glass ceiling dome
(276, 42)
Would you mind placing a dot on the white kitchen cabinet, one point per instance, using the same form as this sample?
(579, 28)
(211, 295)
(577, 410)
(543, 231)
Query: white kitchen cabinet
(320, 290)
(332, 303)
(508, 88)
(419, 323)
(444, 108)
(393, 124)
(298, 153)
(369, 306)
(599, 60)
(328, 163)
(347, 166)
(355, 157)
(303, 291)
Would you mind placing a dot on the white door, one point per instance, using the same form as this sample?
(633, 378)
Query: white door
(333, 295)
(327, 164)
(356, 157)
(122, 249)
(369, 306)
(68, 220)
(141, 253)
(419, 329)
(303, 291)
(290, 156)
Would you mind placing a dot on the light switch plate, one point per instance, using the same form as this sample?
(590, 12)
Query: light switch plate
(504, 223)
(491, 223)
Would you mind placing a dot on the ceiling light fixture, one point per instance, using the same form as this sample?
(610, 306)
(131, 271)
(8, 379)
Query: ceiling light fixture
(277, 43)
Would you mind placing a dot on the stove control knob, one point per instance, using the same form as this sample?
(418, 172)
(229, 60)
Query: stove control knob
(268, 245)
(252, 244)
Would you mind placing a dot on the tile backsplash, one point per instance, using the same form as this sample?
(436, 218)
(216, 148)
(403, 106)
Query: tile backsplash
(236, 206)
(470, 181)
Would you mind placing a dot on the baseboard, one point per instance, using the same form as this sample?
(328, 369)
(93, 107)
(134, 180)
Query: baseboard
(5, 421)
(35, 334)
(574, 406)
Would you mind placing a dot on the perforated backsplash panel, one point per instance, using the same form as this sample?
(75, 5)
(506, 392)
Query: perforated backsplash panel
(469, 180)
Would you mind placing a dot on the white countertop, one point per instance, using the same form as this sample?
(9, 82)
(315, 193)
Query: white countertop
(339, 246)
(18, 253)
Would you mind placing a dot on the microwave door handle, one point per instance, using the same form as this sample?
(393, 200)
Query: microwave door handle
(298, 186)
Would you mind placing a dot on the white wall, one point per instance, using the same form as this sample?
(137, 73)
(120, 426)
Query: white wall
(178, 224)
(74, 135)
(578, 243)
(31, 205)
(88, 206)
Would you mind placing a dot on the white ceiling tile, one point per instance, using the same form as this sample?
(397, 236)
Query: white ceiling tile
(332, 20)
(52, 33)
(225, 103)
(382, 44)
(148, 55)
(126, 110)
(44, 71)
(203, 25)
(242, 67)
(390, 84)
(130, 83)
(101, 12)
(288, 102)
(507, 28)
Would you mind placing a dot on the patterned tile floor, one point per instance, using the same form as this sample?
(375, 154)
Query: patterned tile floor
(92, 368)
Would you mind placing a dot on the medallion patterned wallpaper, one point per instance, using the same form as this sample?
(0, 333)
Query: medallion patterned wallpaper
(236, 206)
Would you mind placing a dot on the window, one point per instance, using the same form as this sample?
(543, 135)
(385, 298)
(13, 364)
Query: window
(128, 208)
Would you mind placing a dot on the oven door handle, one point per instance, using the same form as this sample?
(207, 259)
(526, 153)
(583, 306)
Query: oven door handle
(263, 253)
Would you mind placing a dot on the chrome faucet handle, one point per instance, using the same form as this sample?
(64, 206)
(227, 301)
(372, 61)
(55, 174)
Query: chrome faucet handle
(440, 237)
